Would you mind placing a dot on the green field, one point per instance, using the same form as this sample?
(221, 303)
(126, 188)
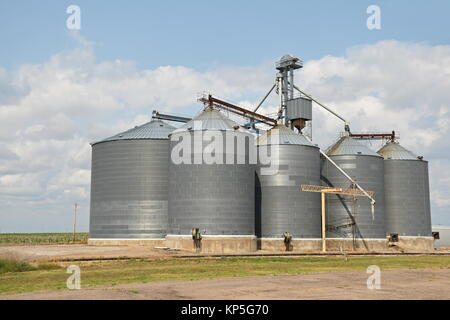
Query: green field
(42, 238)
(52, 277)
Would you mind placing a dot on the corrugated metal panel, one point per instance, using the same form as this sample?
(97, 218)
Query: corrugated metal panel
(394, 151)
(349, 146)
(368, 172)
(155, 129)
(217, 198)
(129, 189)
(281, 135)
(346, 217)
(299, 108)
(209, 119)
(407, 192)
(407, 197)
(281, 206)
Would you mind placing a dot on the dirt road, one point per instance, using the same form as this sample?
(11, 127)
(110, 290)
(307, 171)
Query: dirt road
(57, 252)
(52, 252)
(395, 284)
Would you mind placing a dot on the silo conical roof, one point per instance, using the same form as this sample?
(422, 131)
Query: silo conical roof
(349, 146)
(155, 129)
(393, 150)
(209, 119)
(285, 137)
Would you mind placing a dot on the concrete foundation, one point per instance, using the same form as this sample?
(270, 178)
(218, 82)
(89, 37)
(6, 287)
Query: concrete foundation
(415, 244)
(333, 245)
(213, 244)
(297, 245)
(127, 242)
(360, 245)
(410, 244)
(249, 244)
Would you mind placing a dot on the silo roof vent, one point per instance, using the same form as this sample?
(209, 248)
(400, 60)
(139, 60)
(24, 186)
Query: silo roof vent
(346, 145)
(394, 151)
(155, 129)
(285, 136)
(210, 119)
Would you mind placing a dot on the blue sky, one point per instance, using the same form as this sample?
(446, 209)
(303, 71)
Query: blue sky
(60, 90)
(201, 34)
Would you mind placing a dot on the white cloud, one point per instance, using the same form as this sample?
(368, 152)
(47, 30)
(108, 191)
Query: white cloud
(20, 184)
(440, 180)
(385, 86)
(6, 154)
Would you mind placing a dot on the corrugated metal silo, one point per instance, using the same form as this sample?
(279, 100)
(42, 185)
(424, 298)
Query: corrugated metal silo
(348, 217)
(129, 184)
(407, 193)
(217, 198)
(281, 206)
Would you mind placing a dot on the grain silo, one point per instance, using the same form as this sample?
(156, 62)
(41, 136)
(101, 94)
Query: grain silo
(349, 217)
(281, 206)
(211, 184)
(407, 194)
(129, 184)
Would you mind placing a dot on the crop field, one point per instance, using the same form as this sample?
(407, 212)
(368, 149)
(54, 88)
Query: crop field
(42, 238)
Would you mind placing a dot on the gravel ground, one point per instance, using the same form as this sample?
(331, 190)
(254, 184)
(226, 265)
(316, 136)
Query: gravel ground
(55, 252)
(78, 251)
(395, 284)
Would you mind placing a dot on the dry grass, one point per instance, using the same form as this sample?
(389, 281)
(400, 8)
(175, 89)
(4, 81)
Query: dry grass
(11, 262)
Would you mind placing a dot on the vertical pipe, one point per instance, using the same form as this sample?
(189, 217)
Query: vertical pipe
(74, 221)
(285, 94)
(324, 244)
(285, 87)
(291, 81)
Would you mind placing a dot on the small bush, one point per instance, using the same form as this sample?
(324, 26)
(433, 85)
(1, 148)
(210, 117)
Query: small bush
(14, 264)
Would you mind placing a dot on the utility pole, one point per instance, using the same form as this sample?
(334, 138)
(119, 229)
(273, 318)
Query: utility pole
(324, 228)
(74, 221)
